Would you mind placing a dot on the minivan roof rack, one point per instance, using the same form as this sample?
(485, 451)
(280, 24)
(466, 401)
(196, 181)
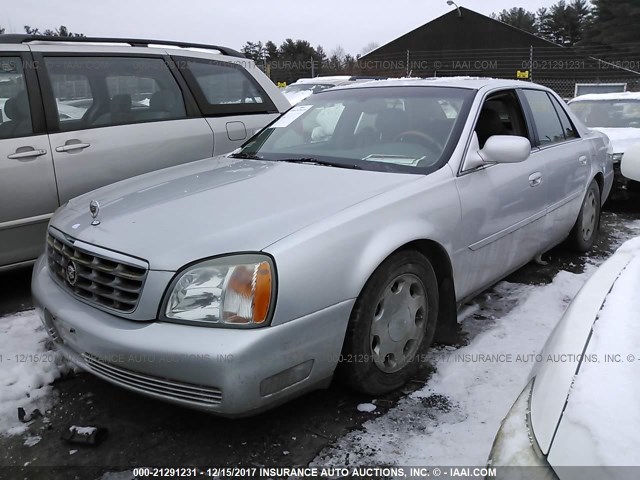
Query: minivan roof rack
(134, 42)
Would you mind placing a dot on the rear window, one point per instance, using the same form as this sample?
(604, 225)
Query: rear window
(224, 88)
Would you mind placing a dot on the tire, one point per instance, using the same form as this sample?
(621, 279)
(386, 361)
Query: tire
(392, 324)
(585, 231)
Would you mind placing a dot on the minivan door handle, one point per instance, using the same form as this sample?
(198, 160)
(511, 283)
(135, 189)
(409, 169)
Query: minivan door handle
(24, 154)
(69, 147)
(535, 179)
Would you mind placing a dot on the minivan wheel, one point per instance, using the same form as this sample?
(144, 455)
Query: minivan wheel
(585, 230)
(391, 326)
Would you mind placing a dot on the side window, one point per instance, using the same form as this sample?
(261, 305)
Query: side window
(15, 113)
(224, 88)
(501, 114)
(546, 119)
(73, 97)
(105, 91)
(568, 128)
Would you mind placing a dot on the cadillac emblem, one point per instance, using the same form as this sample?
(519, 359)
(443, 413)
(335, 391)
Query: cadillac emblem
(72, 273)
(94, 209)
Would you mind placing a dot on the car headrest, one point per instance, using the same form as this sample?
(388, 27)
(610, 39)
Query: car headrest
(17, 108)
(489, 124)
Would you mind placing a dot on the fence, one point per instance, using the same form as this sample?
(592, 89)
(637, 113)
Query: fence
(556, 67)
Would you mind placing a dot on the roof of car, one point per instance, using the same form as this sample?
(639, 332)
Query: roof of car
(473, 83)
(324, 80)
(608, 96)
(93, 41)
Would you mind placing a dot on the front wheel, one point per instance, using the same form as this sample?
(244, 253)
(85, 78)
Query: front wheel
(392, 323)
(585, 232)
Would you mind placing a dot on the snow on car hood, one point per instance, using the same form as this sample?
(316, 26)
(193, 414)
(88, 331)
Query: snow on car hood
(215, 206)
(564, 351)
(600, 423)
(621, 138)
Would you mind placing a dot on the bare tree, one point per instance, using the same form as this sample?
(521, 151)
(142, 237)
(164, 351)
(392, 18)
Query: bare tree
(369, 47)
(338, 53)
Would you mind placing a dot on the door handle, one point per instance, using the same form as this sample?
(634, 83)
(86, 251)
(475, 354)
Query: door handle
(32, 153)
(583, 160)
(535, 179)
(72, 146)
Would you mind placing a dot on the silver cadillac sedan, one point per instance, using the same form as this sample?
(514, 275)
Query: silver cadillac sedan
(338, 241)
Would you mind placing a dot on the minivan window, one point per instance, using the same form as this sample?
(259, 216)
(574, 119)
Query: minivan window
(547, 123)
(106, 91)
(224, 88)
(15, 113)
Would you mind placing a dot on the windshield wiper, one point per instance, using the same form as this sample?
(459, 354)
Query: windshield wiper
(246, 156)
(315, 161)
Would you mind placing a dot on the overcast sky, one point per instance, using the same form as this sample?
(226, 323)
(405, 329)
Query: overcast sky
(351, 24)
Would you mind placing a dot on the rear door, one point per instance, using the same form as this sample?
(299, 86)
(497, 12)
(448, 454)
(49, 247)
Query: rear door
(233, 102)
(28, 194)
(114, 116)
(566, 156)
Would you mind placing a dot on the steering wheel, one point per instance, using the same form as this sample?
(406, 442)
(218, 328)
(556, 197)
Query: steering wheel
(430, 141)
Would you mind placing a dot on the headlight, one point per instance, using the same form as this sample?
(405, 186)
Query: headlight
(235, 290)
(516, 446)
(616, 157)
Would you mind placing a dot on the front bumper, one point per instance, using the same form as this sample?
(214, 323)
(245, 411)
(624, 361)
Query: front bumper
(622, 186)
(229, 372)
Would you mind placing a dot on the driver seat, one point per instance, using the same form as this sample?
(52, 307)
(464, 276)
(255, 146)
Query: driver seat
(390, 124)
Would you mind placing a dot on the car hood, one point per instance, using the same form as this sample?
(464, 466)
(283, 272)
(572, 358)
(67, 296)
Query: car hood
(562, 355)
(599, 425)
(215, 206)
(621, 138)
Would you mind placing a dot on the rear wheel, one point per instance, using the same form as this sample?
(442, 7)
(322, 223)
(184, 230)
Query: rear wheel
(392, 323)
(585, 231)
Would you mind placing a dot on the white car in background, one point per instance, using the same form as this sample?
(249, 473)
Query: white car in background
(305, 87)
(579, 416)
(617, 115)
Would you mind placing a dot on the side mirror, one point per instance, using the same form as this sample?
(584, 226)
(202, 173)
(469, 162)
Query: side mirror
(630, 163)
(505, 149)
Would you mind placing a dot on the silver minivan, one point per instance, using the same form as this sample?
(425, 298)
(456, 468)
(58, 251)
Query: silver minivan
(80, 113)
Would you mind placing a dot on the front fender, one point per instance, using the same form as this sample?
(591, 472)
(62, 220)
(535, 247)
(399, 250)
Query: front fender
(332, 260)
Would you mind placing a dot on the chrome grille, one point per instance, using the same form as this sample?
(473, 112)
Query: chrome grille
(98, 279)
(174, 389)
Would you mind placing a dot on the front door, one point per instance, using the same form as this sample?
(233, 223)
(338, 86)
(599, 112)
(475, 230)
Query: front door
(503, 205)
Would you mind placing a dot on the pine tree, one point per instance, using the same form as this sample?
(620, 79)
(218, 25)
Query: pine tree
(518, 17)
(615, 24)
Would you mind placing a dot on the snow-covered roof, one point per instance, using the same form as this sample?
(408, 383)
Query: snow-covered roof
(473, 83)
(325, 80)
(608, 96)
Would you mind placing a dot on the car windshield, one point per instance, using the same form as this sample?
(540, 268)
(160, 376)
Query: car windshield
(398, 129)
(608, 113)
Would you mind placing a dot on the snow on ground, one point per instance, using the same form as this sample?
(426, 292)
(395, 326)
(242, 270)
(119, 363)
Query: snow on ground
(28, 368)
(453, 419)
